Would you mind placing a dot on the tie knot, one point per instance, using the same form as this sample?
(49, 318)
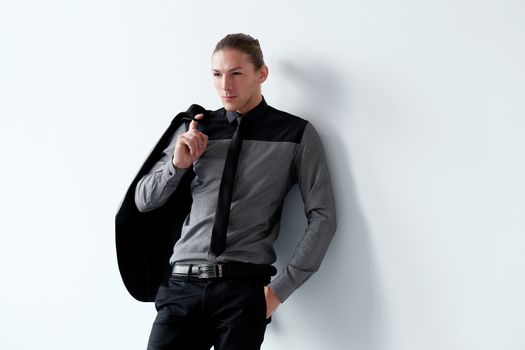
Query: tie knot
(237, 121)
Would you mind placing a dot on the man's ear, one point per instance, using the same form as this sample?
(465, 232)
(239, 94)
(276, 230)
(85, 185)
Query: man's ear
(262, 74)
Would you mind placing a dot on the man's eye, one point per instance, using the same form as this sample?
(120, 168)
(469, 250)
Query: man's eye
(237, 73)
(216, 74)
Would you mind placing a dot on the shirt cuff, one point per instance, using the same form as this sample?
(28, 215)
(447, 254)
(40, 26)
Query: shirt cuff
(283, 286)
(172, 174)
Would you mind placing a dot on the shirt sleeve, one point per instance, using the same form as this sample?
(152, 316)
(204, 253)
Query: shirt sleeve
(154, 188)
(311, 171)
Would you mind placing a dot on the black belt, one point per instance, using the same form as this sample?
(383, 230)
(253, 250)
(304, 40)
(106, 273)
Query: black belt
(207, 271)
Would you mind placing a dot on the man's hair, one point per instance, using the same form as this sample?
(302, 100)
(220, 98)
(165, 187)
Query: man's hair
(244, 43)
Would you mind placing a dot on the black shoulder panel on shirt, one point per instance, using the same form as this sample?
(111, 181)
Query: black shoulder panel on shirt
(274, 126)
(217, 126)
(277, 126)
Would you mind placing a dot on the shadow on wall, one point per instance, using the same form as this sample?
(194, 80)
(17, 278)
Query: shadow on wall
(342, 300)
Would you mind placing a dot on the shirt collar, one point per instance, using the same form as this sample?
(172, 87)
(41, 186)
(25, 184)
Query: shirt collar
(253, 115)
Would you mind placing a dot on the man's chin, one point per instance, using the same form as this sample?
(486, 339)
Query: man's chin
(230, 107)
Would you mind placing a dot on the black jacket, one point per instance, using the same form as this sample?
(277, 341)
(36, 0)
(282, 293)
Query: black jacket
(144, 241)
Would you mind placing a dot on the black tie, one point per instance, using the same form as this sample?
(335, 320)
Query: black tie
(222, 214)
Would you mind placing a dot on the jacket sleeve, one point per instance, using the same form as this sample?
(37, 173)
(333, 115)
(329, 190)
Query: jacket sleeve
(311, 172)
(154, 188)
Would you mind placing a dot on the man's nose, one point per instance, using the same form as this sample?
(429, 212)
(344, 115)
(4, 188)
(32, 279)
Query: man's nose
(225, 83)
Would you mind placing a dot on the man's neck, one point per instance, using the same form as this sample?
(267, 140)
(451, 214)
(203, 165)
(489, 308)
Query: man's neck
(257, 99)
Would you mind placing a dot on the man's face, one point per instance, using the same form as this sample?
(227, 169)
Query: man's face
(236, 80)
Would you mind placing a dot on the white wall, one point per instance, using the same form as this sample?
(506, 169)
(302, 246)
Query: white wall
(419, 105)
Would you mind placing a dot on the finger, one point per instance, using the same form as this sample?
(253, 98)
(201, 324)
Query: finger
(198, 139)
(195, 141)
(194, 147)
(188, 142)
(200, 142)
(193, 124)
(203, 141)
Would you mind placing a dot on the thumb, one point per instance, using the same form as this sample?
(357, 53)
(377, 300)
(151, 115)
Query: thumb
(193, 124)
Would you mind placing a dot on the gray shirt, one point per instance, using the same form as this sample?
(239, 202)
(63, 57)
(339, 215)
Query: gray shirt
(278, 151)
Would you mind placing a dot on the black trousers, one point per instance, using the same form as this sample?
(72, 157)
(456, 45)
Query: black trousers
(193, 314)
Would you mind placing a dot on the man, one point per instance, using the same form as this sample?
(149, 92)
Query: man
(220, 292)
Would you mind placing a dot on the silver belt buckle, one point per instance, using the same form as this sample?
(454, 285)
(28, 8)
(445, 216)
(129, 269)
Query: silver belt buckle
(210, 271)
